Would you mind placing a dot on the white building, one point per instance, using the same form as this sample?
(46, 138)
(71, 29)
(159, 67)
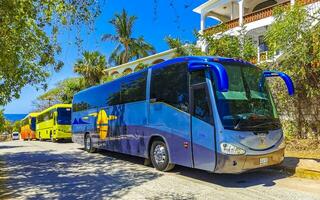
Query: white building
(254, 15)
(136, 65)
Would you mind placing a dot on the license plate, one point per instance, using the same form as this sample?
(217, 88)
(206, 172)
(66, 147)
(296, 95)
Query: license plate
(263, 161)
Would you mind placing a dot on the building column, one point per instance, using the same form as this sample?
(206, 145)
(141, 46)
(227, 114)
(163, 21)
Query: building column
(232, 11)
(202, 28)
(202, 22)
(240, 2)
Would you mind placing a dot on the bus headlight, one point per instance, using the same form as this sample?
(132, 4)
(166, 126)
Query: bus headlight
(230, 149)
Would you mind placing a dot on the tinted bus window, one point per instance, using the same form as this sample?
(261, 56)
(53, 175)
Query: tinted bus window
(134, 88)
(33, 123)
(45, 116)
(113, 96)
(40, 118)
(201, 108)
(25, 122)
(128, 89)
(64, 116)
(197, 77)
(170, 85)
(79, 106)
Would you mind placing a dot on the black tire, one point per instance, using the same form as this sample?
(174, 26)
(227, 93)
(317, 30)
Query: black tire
(88, 146)
(160, 157)
(40, 139)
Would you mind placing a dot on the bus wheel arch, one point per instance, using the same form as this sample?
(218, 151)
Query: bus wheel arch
(153, 143)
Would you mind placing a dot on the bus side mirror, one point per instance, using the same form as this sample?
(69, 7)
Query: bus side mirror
(217, 68)
(288, 81)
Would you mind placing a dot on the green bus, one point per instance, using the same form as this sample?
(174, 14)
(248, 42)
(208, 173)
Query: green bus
(54, 123)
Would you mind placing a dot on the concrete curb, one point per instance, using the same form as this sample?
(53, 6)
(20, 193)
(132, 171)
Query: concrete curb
(304, 173)
(300, 172)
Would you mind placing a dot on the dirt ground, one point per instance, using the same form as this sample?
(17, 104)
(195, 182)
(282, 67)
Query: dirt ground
(45, 170)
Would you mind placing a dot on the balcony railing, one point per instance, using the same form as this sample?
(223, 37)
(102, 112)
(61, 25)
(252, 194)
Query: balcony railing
(251, 17)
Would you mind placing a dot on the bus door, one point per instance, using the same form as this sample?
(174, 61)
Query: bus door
(202, 131)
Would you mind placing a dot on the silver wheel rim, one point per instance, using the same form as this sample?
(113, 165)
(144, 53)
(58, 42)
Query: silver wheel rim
(160, 154)
(88, 143)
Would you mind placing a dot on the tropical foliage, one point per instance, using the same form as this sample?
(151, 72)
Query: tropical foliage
(28, 38)
(236, 46)
(239, 46)
(62, 93)
(128, 48)
(296, 35)
(181, 49)
(2, 121)
(91, 67)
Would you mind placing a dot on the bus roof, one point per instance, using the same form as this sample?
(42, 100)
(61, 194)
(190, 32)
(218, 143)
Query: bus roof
(54, 107)
(33, 114)
(173, 61)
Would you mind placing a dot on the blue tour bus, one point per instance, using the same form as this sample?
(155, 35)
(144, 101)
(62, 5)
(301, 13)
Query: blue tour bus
(210, 113)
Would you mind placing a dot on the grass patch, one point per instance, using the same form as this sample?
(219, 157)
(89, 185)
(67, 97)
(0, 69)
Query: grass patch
(303, 148)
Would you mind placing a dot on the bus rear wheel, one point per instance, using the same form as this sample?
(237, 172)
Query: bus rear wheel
(160, 156)
(88, 146)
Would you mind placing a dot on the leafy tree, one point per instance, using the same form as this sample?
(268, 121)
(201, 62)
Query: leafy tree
(8, 127)
(91, 67)
(239, 46)
(16, 126)
(62, 93)
(128, 47)
(2, 121)
(28, 39)
(296, 35)
(183, 49)
(233, 46)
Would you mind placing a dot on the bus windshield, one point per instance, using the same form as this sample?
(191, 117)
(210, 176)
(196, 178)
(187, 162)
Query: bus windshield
(64, 116)
(246, 106)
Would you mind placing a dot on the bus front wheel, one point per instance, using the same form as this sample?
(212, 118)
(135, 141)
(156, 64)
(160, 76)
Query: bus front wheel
(160, 156)
(88, 146)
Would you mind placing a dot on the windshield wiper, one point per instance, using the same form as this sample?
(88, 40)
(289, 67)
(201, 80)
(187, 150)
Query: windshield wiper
(275, 124)
(237, 125)
(239, 121)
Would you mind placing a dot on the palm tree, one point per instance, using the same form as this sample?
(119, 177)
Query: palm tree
(128, 47)
(91, 67)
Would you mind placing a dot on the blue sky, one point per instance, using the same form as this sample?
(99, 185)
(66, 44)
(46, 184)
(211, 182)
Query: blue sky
(156, 20)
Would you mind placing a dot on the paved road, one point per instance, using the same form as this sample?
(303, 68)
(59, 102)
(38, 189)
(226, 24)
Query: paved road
(42, 170)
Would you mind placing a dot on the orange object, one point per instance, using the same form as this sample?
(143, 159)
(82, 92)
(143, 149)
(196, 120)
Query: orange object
(28, 127)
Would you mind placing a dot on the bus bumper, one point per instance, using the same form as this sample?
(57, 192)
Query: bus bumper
(234, 164)
(63, 135)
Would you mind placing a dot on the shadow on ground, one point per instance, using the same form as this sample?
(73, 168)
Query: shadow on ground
(42, 175)
(77, 174)
(8, 147)
(264, 176)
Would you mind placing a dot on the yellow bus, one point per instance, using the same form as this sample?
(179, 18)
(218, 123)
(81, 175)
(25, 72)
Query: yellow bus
(54, 123)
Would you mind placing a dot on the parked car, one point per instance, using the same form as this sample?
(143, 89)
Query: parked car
(15, 136)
